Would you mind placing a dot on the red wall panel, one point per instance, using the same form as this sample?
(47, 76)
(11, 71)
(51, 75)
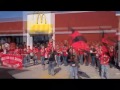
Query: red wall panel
(87, 19)
(11, 25)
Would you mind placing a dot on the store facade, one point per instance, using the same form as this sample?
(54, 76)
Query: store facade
(90, 23)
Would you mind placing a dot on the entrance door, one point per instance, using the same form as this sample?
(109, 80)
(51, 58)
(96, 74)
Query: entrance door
(40, 39)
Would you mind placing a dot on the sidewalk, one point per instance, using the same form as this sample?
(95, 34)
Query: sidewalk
(85, 72)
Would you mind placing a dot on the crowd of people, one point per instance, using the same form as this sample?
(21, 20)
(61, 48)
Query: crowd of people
(65, 54)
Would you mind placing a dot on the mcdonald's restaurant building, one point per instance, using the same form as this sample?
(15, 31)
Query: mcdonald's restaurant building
(90, 23)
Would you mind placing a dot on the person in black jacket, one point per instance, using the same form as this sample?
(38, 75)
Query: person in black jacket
(51, 62)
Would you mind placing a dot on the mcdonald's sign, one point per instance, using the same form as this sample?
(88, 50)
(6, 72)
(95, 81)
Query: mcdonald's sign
(39, 23)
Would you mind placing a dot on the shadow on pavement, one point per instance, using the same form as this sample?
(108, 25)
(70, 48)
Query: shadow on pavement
(4, 73)
(57, 70)
(17, 71)
(82, 74)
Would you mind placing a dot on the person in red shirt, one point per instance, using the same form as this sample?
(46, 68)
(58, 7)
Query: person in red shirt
(29, 55)
(65, 55)
(50, 44)
(47, 52)
(42, 54)
(11, 49)
(104, 61)
(17, 51)
(58, 55)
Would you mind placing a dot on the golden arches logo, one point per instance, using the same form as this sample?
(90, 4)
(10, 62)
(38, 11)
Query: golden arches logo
(41, 27)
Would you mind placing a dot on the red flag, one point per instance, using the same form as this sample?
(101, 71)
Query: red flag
(75, 34)
(80, 45)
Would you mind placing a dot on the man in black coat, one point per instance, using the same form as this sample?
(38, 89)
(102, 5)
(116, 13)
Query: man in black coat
(51, 62)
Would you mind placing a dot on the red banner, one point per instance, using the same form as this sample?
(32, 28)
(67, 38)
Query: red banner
(12, 61)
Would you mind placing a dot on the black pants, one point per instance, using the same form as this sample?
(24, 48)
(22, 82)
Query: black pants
(98, 65)
(97, 62)
(86, 58)
(111, 62)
